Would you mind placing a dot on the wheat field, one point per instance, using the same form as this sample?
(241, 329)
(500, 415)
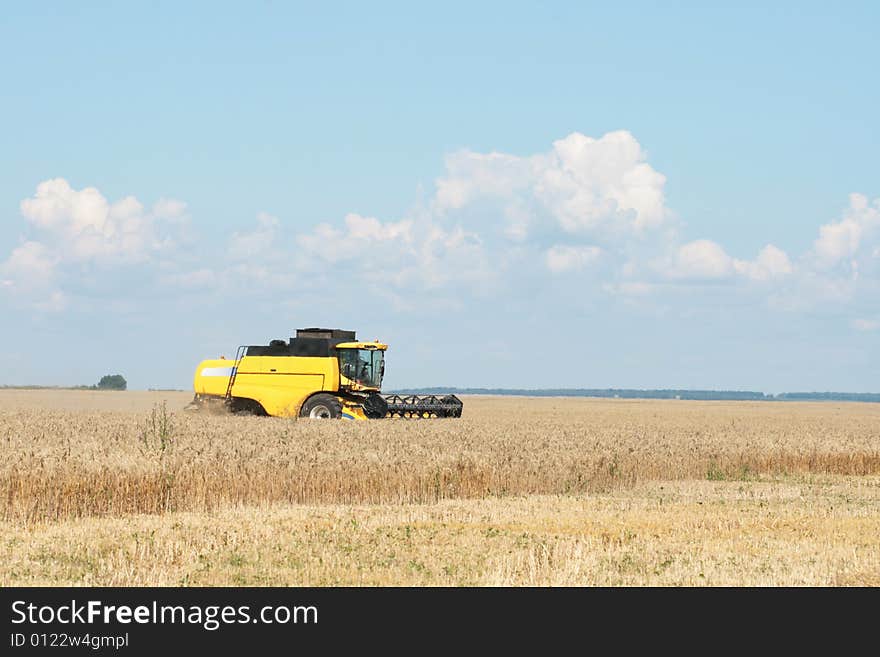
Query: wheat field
(108, 488)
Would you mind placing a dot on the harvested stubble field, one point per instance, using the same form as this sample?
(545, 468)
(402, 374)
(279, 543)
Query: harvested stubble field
(126, 488)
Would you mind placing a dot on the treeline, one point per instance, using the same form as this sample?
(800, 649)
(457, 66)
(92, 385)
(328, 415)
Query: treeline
(628, 393)
(107, 382)
(829, 396)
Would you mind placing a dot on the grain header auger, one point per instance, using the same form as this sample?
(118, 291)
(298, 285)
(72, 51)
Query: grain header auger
(319, 373)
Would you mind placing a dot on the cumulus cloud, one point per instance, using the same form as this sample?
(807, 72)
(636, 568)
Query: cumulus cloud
(495, 214)
(772, 262)
(701, 259)
(31, 270)
(84, 225)
(360, 238)
(841, 240)
(71, 230)
(30, 264)
(705, 260)
(400, 253)
(582, 186)
(590, 181)
(492, 214)
(587, 210)
(471, 175)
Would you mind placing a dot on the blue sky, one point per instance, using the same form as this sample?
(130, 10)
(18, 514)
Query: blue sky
(512, 195)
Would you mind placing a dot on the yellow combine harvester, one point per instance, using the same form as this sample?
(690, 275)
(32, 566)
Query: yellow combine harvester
(319, 373)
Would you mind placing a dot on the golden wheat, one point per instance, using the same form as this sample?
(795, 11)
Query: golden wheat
(818, 530)
(61, 464)
(127, 489)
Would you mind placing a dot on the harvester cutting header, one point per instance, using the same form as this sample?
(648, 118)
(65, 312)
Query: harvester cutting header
(319, 373)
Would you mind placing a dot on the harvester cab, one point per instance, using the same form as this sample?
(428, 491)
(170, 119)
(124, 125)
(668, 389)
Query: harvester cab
(361, 366)
(319, 373)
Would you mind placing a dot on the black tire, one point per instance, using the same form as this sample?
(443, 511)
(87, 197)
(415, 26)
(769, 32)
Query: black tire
(321, 407)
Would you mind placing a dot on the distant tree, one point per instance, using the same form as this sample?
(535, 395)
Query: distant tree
(112, 382)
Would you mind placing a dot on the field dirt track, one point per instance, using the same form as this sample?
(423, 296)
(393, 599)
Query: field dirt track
(127, 488)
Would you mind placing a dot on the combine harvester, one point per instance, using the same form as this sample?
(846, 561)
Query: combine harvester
(320, 373)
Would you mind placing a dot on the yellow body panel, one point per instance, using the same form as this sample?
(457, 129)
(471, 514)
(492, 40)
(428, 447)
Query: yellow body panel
(279, 383)
(212, 377)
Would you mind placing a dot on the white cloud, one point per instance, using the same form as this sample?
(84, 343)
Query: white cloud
(471, 175)
(591, 208)
(363, 239)
(771, 263)
(397, 255)
(701, 260)
(57, 206)
(589, 181)
(75, 229)
(30, 273)
(837, 241)
(492, 214)
(570, 258)
(705, 260)
(370, 228)
(30, 264)
(602, 193)
(82, 225)
(582, 186)
(841, 240)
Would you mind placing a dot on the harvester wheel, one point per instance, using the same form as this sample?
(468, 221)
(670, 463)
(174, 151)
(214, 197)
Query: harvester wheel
(321, 407)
